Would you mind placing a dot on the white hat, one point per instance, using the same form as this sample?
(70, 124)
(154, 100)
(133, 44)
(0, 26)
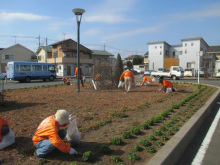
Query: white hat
(62, 116)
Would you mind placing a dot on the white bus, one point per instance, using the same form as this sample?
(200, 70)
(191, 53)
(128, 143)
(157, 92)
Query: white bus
(27, 71)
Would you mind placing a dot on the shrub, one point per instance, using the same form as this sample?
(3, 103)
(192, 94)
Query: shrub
(135, 130)
(137, 148)
(133, 156)
(151, 149)
(115, 159)
(144, 142)
(88, 156)
(167, 124)
(162, 128)
(163, 137)
(144, 126)
(158, 143)
(126, 134)
(150, 122)
(151, 137)
(168, 133)
(105, 149)
(157, 133)
(116, 140)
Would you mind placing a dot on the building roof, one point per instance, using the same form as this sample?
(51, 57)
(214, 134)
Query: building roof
(199, 38)
(3, 50)
(158, 42)
(47, 49)
(133, 56)
(214, 49)
(60, 42)
(101, 53)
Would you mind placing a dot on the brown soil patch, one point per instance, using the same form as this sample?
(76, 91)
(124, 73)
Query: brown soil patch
(99, 117)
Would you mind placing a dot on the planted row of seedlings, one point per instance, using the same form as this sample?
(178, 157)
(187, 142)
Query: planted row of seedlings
(166, 130)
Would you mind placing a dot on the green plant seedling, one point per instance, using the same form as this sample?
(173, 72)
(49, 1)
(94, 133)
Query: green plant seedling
(126, 134)
(133, 156)
(115, 159)
(137, 148)
(116, 141)
(135, 130)
(88, 156)
(105, 149)
(151, 149)
(157, 133)
(151, 137)
(144, 142)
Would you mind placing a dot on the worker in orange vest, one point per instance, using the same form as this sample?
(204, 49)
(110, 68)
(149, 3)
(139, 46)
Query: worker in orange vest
(167, 86)
(48, 136)
(146, 79)
(80, 74)
(66, 81)
(128, 77)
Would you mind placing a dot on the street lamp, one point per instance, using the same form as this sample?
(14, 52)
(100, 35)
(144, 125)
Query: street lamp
(78, 13)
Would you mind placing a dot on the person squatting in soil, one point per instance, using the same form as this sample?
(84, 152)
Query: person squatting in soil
(146, 80)
(80, 74)
(48, 136)
(167, 86)
(4, 128)
(66, 81)
(128, 77)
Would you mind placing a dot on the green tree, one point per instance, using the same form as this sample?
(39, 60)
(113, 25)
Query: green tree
(129, 64)
(137, 60)
(118, 69)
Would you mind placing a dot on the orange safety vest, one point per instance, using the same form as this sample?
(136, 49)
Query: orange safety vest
(80, 71)
(2, 122)
(48, 129)
(145, 78)
(167, 84)
(66, 80)
(127, 74)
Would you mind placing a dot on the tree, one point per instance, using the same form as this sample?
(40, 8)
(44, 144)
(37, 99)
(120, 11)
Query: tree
(118, 69)
(129, 64)
(137, 60)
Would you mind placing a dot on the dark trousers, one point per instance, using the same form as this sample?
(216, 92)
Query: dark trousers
(81, 79)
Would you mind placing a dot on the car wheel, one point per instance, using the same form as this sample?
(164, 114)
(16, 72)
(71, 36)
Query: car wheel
(27, 79)
(51, 78)
(174, 77)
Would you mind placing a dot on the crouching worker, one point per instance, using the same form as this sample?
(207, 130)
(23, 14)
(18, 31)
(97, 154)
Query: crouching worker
(48, 136)
(167, 86)
(128, 77)
(146, 80)
(7, 136)
(66, 81)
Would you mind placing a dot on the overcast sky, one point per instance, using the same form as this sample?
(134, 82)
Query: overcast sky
(123, 26)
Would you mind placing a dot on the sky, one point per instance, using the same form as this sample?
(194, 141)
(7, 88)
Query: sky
(118, 26)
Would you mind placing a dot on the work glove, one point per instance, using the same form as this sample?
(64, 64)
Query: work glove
(72, 151)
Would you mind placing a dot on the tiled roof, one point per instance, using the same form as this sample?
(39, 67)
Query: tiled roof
(101, 53)
(213, 49)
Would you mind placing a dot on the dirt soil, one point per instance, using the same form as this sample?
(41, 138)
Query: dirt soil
(101, 115)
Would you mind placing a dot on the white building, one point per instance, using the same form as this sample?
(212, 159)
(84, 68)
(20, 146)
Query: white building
(186, 53)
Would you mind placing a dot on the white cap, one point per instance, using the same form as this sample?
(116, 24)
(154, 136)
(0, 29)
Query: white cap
(62, 116)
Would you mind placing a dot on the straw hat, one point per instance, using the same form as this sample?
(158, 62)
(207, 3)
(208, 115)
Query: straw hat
(62, 116)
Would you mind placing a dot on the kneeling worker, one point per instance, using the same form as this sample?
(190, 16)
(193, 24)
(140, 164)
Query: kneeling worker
(66, 81)
(167, 86)
(48, 136)
(146, 79)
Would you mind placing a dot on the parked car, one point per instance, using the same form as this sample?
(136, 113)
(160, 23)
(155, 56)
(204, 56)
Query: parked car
(218, 73)
(3, 76)
(148, 72)
(188, 72)
(163, 70)
(203, 72)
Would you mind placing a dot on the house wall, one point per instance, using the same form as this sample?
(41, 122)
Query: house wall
(156, 55)
(42, 56)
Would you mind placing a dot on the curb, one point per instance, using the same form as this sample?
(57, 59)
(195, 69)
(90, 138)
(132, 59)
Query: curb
(175, 147)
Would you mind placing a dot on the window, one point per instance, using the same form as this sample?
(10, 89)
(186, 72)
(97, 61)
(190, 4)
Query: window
(44, 67)
(160, 52)
(74, 54)
(160, 46)
(17, 67)
(36, 68)
(67, 44)
(192, 44)
(167, 52)
(25, 67)
(185, 44)
(185, 51)
(55, 54)
(155, 47)
(9, 57)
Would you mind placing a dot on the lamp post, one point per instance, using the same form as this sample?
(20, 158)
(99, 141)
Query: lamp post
(199, 54)
(78, 13)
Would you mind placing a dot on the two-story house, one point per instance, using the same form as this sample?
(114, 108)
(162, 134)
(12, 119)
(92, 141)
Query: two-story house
(43, 53)
(64, 56)
(16, 52)
(186, 55)
(102, 56)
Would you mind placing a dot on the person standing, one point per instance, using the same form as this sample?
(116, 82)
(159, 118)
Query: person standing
(48, 136)
(146, 79)
(128, 77)
(80, 74)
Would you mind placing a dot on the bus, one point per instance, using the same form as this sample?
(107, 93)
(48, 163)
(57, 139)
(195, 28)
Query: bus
(27, 71)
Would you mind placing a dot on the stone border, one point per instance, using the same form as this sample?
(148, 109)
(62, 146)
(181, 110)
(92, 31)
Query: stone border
(174, 148)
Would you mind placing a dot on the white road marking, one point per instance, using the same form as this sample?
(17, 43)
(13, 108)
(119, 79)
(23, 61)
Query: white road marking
(205, 144)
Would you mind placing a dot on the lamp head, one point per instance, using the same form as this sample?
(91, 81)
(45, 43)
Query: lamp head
(78, 11)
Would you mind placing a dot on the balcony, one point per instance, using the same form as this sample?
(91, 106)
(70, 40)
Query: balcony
(69, 60)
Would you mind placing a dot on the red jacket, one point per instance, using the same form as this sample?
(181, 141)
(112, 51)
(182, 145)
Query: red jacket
(127, 74)
(145, 78)
(2, 122)
(167, 84)
(48, 129)
(80, 72)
